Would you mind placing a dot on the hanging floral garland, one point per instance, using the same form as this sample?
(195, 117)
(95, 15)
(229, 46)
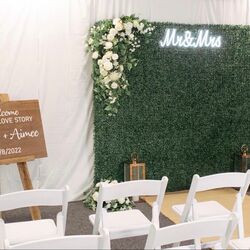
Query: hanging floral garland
(113, 43)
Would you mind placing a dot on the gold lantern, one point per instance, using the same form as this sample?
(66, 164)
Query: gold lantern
(134, 170)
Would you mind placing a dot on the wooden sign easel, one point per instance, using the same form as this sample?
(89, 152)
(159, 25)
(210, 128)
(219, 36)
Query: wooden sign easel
(25, 178)
(22, 168)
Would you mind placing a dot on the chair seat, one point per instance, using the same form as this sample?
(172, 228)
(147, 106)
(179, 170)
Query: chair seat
(123, 224)
(240, 243)
(204, 209)
(19, 232)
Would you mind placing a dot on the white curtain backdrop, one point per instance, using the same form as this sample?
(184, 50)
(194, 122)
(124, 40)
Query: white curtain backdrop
(42, 56)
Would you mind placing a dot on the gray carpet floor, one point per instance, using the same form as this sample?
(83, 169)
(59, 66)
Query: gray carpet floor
(78, 222)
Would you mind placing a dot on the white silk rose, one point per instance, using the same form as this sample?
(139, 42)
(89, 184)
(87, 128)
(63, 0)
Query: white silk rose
(114, 85)
(108, 55)
(113, 32)
(108, 45)
(110, 37)
(115, 57)
(107, 65)
(103, 72)
(116, 20)
(119, 26)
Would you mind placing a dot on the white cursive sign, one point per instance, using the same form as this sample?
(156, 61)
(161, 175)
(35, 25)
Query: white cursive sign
(22, 134)
(203, 39)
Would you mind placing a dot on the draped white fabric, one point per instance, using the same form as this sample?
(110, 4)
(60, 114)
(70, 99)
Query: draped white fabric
(42, 56)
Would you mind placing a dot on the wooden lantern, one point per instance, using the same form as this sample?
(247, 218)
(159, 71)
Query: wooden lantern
(134, 170)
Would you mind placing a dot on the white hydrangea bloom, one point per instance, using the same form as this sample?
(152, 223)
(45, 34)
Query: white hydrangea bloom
(114, 76)
(131, 36)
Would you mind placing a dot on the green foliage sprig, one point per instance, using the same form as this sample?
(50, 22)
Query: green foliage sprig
(113, 43)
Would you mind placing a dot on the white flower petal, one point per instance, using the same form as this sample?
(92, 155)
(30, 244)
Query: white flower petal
(95, 196)
(115, 57)
(114, 85)
(116, 20)
(95, 55)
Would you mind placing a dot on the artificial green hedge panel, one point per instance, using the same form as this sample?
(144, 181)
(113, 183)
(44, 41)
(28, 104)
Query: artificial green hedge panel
(189, 109)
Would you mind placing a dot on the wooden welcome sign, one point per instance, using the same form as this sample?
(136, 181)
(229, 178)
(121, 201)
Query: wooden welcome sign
(21, 131)
(21, 138)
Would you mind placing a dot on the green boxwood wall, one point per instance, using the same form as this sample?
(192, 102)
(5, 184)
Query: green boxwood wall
(189, 109)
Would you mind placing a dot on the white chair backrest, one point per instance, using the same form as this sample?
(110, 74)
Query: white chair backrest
(224, 180)
(133, 188)
(68, 242)
(130, 188)
(220, 227)
(35, 197)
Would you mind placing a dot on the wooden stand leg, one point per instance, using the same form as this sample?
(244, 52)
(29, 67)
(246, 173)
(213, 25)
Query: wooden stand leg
(27, 185)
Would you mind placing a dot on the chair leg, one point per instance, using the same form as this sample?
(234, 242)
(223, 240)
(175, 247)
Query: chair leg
(240, 228)
(240, 216)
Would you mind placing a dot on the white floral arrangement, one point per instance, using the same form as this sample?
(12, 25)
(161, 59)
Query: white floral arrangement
(114, 205)
(113, 43)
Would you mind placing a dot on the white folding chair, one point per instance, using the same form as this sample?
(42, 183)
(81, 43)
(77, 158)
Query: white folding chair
(194, 210)
(68, 242)
(243, 243)
(219, 227)
(121, 224)
(20, 232)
